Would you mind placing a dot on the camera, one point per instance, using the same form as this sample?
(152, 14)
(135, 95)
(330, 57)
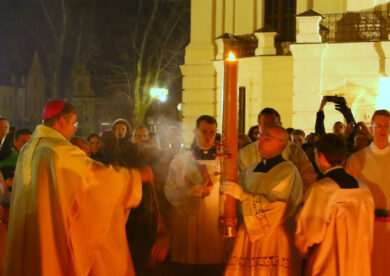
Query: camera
(336, 99)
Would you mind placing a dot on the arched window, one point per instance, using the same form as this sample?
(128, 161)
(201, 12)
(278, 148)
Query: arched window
(280, 15)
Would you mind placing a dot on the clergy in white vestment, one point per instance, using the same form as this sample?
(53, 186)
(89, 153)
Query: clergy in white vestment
(335, 225)
(192, 188)
(270, 194)
(250, 155)
(68, 212)
(372, 164)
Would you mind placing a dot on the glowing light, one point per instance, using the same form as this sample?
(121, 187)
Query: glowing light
(231, 57)
(160, 93)
(383, 99)
(163, 98)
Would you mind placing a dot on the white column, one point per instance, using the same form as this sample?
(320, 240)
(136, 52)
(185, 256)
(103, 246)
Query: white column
(308, 24)
(266, 43)
(199, 92)
(307, 85)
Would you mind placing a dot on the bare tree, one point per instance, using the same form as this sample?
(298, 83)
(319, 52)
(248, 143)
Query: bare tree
(153, 47)
(62, 31)
(56, 17)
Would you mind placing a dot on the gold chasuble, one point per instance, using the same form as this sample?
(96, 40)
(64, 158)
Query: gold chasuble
(68, 212)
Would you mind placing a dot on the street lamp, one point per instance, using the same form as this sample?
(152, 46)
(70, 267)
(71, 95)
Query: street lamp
(161, 94)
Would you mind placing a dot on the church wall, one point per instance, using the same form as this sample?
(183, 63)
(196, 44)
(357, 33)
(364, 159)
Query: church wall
(229, 17)
(268, 83)
(245, 22)
(313, 70)
(330, 6)
(199, 95)
(352, 70)
(8, 97)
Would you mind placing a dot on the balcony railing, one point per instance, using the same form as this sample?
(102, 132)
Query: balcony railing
(355, 27)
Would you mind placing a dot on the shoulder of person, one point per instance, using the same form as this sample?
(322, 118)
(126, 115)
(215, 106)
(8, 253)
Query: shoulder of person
(65, 148)
(323, 188)
(294, 148)
(358, 154)
(326, 184)
(288, 166)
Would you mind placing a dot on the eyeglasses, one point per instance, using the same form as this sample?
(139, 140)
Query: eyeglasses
(380, 127)
(266, 136)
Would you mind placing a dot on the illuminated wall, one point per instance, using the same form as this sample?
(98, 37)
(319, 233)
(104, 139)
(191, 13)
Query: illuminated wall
(352, 70)
(293, 84)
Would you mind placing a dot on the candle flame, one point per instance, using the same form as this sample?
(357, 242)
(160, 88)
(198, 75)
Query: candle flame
(231, 57)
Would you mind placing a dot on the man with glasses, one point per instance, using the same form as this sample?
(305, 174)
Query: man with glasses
(249, 155)
(372, 164)
(270, 192)
(68, 212)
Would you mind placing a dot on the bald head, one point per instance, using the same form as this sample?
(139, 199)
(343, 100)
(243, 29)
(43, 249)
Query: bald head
(279, 131)
(272, 141)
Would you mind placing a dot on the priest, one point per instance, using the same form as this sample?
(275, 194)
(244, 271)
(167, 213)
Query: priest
(335, 226)
(249, 155)
(68, 212)
(372, 164)
(270, 192)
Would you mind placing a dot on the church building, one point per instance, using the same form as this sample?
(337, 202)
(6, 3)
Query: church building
(291, 53)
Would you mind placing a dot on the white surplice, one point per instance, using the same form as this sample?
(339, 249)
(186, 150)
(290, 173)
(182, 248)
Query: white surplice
(335, 230)
(68, 212)
(264, 242)
(195, 238)
(372, 165)
(250, 155)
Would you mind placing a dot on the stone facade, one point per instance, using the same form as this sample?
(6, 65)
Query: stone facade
(96, 113)
(293, 79)
(22, 94)
(22, 98)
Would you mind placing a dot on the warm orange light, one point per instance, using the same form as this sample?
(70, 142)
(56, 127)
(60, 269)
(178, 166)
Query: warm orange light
(231, 57)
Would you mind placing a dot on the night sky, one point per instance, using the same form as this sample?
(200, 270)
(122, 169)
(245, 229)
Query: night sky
(97, 37)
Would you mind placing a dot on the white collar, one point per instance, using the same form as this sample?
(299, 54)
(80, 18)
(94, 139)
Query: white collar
(379, 151)
(333, 168)
(2, 141)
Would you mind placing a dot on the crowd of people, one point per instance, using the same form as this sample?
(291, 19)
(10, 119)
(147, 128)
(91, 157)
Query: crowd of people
(125, 202)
